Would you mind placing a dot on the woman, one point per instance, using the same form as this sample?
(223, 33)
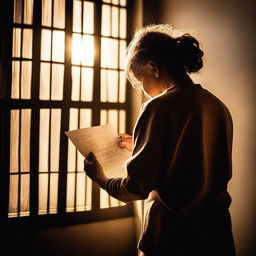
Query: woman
(181, 151)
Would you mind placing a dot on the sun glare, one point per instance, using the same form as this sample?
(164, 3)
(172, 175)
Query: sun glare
(83, 50)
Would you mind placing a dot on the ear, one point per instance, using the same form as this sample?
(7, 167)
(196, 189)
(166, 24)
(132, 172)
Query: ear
(154, 68)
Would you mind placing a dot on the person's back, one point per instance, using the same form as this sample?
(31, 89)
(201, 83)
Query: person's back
(195, 138)
(198, 133)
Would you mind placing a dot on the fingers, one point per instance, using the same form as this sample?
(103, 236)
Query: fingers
(89, 163)
(93, 168)
(124, 136)
(123, 142)
(90, 158)
(86, 162)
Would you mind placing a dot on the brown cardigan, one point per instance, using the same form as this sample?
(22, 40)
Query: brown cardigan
(181, 163)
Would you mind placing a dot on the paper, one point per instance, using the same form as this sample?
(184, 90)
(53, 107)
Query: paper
(102, 141)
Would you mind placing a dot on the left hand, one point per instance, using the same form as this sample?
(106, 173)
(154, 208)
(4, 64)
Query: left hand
(125, 141)
(93, 169)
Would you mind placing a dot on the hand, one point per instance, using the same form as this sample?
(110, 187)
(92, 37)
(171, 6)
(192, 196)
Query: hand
(125, 141)
(94, 170)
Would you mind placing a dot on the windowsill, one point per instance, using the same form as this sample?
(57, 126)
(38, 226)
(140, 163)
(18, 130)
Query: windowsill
(57, 220)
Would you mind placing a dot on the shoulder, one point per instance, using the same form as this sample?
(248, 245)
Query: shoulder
(212, 107)
(183, 102)
(152, 107)
(211, 101)
(151, 115)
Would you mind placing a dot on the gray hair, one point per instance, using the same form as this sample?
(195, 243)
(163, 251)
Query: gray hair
(160, 43)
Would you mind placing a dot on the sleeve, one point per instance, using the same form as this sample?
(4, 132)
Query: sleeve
(146, 163)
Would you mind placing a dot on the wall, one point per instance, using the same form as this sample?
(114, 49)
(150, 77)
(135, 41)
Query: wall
(136, 95)
(112, 237)
(226, 30)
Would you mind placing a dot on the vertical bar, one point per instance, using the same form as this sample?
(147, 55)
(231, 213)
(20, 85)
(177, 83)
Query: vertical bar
(118, 65)
(118, 61)
(80, 66)
(1, 50)
(6, 44)
(21, 53)
(4, 162)
(110, 18)
(130, 12)
(97, 47)
(75, 171)
(80, 82)
(51, 43)
(76, 160)
(62, 188)
(34, 142)
(82, 16)
(19, 161)
(96, 89)
(49, 161)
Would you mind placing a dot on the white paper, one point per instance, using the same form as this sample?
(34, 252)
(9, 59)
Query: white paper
(102, 141)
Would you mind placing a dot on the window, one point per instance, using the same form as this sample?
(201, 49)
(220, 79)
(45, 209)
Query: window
(64, 70)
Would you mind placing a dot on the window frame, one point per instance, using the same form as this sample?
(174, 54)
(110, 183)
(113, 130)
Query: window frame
(7, 104)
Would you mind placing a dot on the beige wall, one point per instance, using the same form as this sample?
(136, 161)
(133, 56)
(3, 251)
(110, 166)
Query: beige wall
(225, 29)
(113, 237)
(108, 238)
(136, 95)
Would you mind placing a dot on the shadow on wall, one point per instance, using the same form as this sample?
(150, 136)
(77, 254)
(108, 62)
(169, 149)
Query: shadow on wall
(113, 238)
(225, 29)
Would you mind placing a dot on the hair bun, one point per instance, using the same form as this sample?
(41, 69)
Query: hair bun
(190, 53)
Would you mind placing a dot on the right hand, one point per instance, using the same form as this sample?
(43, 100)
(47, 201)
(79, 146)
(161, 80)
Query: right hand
(94, 170)
(125, 141)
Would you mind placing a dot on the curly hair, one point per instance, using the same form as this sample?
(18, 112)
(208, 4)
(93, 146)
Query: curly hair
(158, 43)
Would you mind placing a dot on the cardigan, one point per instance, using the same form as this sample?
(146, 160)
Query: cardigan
(181, 164)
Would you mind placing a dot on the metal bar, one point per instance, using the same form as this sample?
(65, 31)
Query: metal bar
(96, 91)
(19, 162)
(118, 72)
(76, 157)
(4, 162)
(34, 133)
(37, 104)
(2, 52)
(52, 18)
(130, 11)
(115, 5)
(21, 44)
(111, 16)
(6, 43)
(62, 187)
(97, 57)
(20, 116)
(75, 65)
(49, 162)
